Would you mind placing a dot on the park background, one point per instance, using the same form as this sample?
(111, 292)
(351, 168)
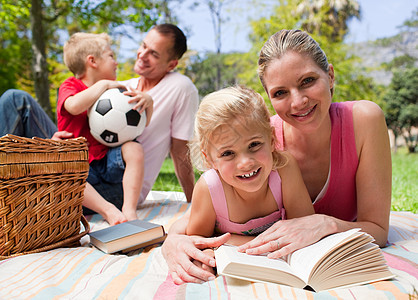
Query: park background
(373, 46)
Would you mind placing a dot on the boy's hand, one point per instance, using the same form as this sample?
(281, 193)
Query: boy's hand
(143, 102)
(62, 135)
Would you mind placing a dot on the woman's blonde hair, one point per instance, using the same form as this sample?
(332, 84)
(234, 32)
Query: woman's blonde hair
(285, 41)
(220, 108)
(82, 44)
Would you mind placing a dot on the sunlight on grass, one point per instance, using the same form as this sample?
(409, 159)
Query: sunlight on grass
(404, 180)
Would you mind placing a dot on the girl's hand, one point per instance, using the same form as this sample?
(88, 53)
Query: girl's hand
(286, 236)
(182, 253)
(210, 252)
(143, 101)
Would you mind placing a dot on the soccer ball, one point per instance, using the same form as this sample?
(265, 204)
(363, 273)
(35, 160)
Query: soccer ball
(113, 121)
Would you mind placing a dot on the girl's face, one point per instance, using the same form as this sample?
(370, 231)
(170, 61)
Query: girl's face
(242, 154)
(299, 90)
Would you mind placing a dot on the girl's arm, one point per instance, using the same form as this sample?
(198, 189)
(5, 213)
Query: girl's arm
(296, 199)
(202, 216)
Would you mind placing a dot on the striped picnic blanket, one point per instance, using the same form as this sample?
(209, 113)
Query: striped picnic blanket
(87, 273)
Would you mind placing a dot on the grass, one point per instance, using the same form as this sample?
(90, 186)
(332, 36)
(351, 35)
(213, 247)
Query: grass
(404, 180)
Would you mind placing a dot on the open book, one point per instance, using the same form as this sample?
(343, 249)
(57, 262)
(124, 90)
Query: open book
(338, 260)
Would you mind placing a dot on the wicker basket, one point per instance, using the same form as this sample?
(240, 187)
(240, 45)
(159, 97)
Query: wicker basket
(41, 192)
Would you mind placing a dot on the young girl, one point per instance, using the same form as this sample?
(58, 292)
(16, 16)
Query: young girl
(248, 185)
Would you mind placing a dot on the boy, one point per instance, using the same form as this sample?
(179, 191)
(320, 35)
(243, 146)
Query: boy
(90, 58)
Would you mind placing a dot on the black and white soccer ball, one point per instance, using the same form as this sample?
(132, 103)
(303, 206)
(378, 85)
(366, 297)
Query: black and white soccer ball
(113, 121)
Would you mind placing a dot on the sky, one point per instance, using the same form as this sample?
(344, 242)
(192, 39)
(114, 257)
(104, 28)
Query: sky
(380, 18)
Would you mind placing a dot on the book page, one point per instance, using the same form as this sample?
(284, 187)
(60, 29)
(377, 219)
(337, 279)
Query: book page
(230, 262)
(302, 261)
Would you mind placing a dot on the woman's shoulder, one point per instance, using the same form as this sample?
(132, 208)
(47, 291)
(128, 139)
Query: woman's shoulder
(360, 108)
(366, 108)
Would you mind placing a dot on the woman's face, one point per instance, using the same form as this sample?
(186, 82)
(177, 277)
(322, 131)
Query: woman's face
(299, 90)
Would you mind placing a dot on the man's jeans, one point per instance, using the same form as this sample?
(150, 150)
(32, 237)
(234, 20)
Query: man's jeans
(21, 115)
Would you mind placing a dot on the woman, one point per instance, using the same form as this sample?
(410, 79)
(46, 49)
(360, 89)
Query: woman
(342, 150)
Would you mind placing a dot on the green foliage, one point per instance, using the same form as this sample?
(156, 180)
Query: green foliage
(203, 74)
(401, 105)
(62, 18)
(351, 83)
(15, 47)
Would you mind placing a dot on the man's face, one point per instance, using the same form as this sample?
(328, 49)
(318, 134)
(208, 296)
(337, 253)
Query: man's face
(154, 58)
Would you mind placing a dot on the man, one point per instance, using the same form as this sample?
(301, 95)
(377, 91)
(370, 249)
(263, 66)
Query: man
(175, 104)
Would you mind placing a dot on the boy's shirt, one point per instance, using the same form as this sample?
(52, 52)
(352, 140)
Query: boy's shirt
(78, 124)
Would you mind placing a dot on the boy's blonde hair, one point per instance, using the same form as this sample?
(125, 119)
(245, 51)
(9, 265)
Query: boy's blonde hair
(220, 108)
(82, 44)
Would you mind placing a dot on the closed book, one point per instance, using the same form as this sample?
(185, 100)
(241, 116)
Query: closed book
(338, 260)
(128, 235)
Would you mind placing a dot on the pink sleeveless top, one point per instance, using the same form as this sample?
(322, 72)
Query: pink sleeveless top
(340, 199)
(253, 226)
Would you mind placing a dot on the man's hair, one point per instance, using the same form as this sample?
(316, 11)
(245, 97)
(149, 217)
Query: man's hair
(180, 41)
(82, 44)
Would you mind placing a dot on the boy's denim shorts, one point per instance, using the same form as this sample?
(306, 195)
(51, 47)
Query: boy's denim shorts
(106, 176)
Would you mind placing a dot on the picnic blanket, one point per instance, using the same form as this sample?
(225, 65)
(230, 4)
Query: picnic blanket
(87, 273)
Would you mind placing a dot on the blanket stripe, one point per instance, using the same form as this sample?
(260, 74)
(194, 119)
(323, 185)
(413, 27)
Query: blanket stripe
(87, 273)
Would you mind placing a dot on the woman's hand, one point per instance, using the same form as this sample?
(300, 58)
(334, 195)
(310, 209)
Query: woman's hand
(286, 236)
(182, 253)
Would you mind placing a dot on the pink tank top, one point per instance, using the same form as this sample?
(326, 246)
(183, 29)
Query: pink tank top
(340, 199)
(253, 226)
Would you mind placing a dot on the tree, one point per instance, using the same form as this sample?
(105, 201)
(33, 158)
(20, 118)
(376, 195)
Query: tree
(216, 9)
(401, 110)
(15, 46)
(319, 21)
(54, 18)
(204, 75)
(334, 13)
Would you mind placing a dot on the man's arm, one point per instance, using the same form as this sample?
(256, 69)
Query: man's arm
(183, 166)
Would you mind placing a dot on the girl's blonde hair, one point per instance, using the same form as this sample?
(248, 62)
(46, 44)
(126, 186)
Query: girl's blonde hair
(220, 108)
(82, 44)
(285, 41)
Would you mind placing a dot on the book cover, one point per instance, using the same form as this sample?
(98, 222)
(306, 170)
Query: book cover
(339, 260)
(127, 235)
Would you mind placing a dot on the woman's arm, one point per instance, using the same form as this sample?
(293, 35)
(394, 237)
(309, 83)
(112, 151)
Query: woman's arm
(374, 173)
